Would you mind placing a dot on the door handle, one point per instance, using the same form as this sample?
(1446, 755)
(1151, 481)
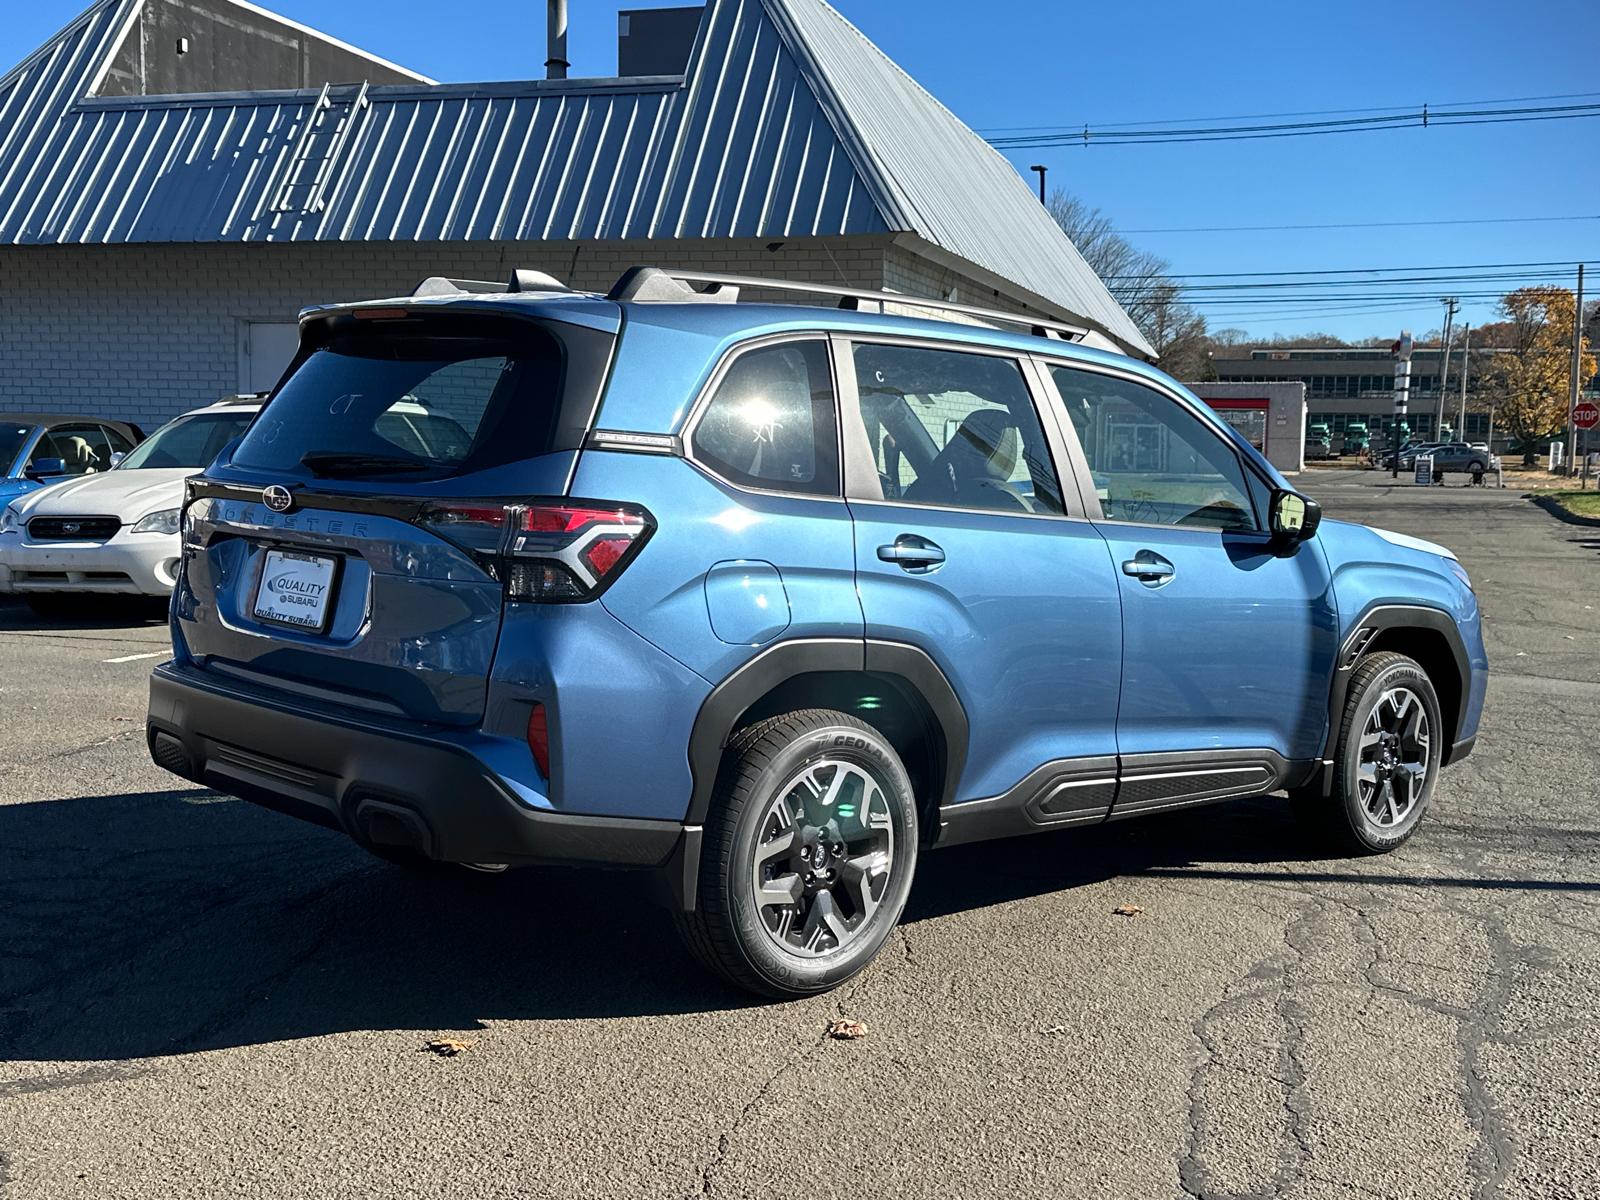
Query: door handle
(1149, 568)
(914, 554)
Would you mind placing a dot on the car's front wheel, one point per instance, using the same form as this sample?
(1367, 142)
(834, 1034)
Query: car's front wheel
(1385, 762)
(808, 855)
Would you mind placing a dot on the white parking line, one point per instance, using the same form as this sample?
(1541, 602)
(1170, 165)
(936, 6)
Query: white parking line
(131, 657)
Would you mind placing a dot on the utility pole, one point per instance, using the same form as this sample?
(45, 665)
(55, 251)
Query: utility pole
(1402, 393)
(1041, 171)
(1452, 305)
(1577, 367)
(1466, 349)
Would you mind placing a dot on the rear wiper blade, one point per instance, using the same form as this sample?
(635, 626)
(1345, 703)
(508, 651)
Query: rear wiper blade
(339, 464)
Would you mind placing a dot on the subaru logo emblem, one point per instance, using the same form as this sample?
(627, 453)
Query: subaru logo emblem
(278, 498)
(70, 527)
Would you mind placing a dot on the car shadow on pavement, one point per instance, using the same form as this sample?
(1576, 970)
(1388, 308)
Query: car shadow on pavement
(84, 613)
(151, 924)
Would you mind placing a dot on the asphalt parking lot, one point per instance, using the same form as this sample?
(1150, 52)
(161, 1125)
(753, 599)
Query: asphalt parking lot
(201, 998)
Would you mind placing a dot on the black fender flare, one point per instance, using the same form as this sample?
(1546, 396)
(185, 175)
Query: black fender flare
(729, 700)
(1373, 620)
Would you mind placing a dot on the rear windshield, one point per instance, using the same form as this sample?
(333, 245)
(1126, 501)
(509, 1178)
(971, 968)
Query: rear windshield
(416, 399)
(12, 438)
(188, 441)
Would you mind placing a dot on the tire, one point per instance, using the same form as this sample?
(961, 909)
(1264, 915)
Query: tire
(817, 805)
(1388, 695)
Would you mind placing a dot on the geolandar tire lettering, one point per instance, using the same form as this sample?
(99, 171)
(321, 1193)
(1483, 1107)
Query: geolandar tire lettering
(809, 852)
(1386, 759)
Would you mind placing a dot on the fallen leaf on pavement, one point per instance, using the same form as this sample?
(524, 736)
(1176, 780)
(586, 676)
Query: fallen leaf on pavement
(846, 1030)
(1127, 910)
(450, 1047)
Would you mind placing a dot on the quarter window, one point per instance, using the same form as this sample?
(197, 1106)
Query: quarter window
(1152, 460)
(955, 429)
(771, 422)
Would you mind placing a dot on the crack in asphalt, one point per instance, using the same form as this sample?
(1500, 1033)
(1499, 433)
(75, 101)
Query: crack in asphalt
(708, 1177)
(72, 1079)
(54, 755)
(1294, 1150)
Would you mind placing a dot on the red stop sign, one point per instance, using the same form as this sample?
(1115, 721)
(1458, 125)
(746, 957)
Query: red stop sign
(1586, 415)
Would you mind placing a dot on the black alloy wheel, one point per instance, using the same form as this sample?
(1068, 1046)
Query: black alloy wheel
(1386, 760)
(807, 857)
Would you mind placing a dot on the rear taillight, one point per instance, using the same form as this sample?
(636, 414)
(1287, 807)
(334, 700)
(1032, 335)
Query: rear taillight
(539, 739)
(556, 552)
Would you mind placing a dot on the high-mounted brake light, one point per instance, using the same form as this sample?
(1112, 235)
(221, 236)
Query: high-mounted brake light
(555, 552)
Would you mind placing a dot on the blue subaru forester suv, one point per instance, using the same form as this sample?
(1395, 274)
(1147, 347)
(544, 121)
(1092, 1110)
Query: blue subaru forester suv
(770, 599)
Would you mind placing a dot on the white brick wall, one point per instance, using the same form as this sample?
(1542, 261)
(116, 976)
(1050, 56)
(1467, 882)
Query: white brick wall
(143, 333)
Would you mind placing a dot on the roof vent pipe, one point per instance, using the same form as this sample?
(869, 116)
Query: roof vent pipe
(555, 67)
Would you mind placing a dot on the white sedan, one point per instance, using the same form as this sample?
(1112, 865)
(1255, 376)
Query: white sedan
(114, 532)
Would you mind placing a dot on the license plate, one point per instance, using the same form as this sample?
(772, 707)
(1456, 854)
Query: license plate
(296, 589)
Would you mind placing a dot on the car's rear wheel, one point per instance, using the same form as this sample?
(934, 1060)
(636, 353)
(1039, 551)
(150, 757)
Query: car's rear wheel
(808, 855)
(1385, 762)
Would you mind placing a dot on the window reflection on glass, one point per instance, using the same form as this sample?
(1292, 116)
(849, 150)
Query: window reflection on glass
(955, 429)
(1153, 461)
(771, 423)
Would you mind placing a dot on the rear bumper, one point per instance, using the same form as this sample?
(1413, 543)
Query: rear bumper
(376, 783)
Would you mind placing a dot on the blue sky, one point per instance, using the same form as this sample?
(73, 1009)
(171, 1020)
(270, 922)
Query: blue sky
(1009, 63)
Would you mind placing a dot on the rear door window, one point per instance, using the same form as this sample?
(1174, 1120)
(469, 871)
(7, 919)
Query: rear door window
(416, 399)
(953, 428)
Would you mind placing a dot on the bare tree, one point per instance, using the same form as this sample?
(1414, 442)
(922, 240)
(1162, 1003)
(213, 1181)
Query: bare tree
(1139, 281)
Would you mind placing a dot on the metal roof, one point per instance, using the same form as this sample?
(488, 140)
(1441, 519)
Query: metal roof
(788, 122)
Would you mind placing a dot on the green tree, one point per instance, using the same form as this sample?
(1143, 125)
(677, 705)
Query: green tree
(1529, 384)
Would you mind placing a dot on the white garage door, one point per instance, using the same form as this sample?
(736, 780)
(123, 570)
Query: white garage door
(265, 351)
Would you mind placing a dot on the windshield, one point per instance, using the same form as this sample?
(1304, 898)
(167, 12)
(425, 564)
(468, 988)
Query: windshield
(13, 437)
(188, 441)
(419, 399)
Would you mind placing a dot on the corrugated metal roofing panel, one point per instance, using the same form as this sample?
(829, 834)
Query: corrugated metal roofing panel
(788, 123)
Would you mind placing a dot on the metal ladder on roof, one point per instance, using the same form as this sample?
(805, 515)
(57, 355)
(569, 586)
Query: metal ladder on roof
(317, 144)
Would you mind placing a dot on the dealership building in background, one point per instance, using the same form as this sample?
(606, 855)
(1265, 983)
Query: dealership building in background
(1356, 385)
(178, 178)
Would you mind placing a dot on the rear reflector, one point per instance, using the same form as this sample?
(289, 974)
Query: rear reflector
(539, 739)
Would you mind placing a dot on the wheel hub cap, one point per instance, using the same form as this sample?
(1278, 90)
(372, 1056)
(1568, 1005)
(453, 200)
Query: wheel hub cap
(824, 857)
(1393, 757)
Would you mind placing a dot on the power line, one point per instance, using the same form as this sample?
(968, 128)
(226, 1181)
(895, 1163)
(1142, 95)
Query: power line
(1315, 112)
(1361, 225)
(1559, 264)
(1234, 133)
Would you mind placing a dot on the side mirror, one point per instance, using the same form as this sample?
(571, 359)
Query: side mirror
(1294, 517)
(117, 456)
(42, 468)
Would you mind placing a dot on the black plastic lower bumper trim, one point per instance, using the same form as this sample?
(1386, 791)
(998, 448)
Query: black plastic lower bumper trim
(323, 769)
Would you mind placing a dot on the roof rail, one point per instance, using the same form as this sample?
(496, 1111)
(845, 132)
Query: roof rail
(520, 281)
(656, 285)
